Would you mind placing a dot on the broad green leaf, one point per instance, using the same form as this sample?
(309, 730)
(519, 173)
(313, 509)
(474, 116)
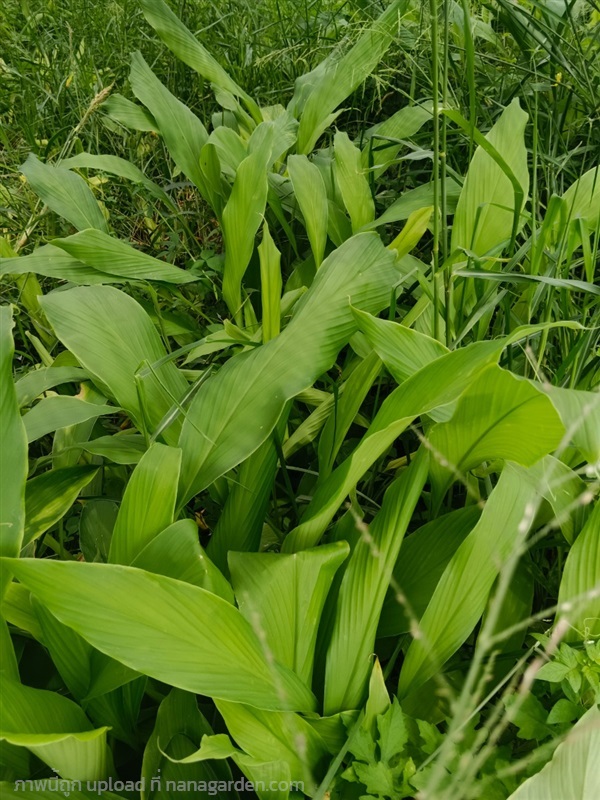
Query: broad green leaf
(29, 290)
(65, 450)
(329, 85)
(187, 48)
(378, 699)
(242, 217)
(262, 774)
(461, 595)
(423, 558)
(13, 452)
(270, 285)
(120, 708)
(286, 738)
(338, 225)
(70, 653)
(333, 730)
(217, 189)
(563, 490)
(38, 381)
(107, 254)
(17, 609)
(237, 409)
(383, 140)
(414, 200)
(167, 629)
(582, 199)
(486, 207)
(283, 596)
(50, 495)
(114, 355)
(305, 83)
(129, 114)
(59, 412)
(403, 350)
(436, 384)
(10, 666)
(363, 591)
(513, 608)
(580, 583)
(240, 523)
(52, 262)
(285, 129)
(344, 412)
(309, 428)
(580, 413)
(66, 193)
(107, 675)
(353, 182)
(176, 553)
(178, 725)
(573, 771)
(123, 448)
(55, 729)
(181, 129)
(85, 671)
(114, 165)
(310, 192)
(96, 525)
(14, 763)
(231, 149)
(148, 504)
(412, 233)
(499, 416)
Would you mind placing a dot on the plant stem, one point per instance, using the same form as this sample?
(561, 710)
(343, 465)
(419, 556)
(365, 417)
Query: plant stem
(436, 162)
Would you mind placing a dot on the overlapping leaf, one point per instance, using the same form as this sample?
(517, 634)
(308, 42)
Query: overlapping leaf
(283, 596)
(148, 504)
(461, 595)
(181, 129)
(60, 411)
(107, 254)
(115, 354)
(580, 583)
(55, 729)
(319, 93)
(498, 417)
(50, 495)
(235, 411)
(363, 590)
(573, 771)
(421, 563)
(173, 631)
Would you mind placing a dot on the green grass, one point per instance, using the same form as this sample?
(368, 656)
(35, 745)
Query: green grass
(301, 391)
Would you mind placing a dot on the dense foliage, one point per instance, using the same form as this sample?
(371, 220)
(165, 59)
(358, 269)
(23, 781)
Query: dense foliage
(300, 404)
